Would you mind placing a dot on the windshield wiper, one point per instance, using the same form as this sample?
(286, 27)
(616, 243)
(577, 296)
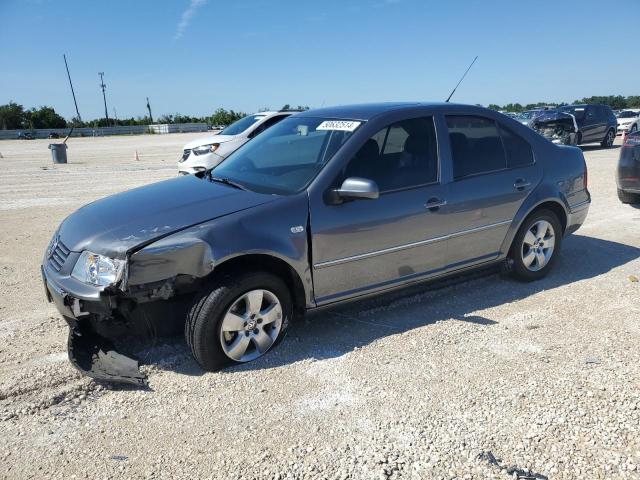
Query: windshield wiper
(226, 181)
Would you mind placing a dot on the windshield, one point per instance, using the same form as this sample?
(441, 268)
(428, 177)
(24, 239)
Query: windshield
(627, 114)
(241, 125)
(529, 114)
(285, 158)
(577, 112)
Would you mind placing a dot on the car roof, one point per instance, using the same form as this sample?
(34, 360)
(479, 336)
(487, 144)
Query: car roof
(366, 111)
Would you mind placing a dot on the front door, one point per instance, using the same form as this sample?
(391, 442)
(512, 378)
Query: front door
(359, 246)
(592, 127)
(494, 171)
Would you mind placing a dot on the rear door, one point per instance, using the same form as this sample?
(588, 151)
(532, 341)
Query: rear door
(493, 172)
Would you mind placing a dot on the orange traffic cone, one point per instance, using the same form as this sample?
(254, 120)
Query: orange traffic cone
(137, 158)
(624, 136)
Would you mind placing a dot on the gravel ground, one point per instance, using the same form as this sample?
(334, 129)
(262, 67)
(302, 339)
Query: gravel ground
(486, 378)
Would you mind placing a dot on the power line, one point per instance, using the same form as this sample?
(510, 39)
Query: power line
(104, 96)
(149, 108)
(71, 85)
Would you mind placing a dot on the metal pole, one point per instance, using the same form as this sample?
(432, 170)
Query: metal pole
(71, 85)
(149, 108)
(104, 97)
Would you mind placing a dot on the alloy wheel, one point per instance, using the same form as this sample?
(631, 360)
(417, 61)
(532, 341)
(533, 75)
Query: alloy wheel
(538, 245)
(251, 325)
(610, 138)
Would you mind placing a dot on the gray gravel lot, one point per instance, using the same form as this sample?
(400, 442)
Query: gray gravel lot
(480, 379)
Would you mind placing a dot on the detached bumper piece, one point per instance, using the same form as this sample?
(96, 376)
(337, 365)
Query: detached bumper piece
(96, 357)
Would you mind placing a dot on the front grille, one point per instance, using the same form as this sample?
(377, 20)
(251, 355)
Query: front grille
(58, 256)
(185, 154)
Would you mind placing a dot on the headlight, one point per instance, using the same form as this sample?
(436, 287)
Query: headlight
(204, 149)
(97, 269)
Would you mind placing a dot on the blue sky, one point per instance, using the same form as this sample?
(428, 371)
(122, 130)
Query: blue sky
(192, 56)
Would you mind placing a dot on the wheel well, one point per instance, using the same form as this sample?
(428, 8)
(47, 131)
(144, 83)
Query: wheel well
(269, 264)
(556, 208)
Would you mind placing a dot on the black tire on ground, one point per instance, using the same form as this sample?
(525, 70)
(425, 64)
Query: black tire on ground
(204, 319)
(628, 197)
(518, 269)
(608, 139)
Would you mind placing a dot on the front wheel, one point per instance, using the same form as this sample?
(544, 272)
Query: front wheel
(535, 248)
(608, 139)
(238, 319)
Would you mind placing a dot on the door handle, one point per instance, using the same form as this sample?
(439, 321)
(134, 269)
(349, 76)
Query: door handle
(434, 204)
(521, 184)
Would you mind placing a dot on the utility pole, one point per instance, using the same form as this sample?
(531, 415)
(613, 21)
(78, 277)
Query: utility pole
(149, 108)
(72, 92)
(104, 97)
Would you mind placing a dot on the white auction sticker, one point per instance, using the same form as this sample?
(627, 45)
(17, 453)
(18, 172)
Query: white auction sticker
(342, 125)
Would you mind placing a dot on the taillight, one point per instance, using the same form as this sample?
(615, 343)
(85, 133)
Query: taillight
(586, 177)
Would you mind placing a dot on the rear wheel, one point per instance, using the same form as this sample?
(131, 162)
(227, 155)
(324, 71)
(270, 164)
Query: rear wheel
(627, 197)
(238, 320)
(535, 248)
(607, 142)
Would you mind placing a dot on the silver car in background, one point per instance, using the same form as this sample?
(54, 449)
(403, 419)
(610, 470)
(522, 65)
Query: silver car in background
(207, 152)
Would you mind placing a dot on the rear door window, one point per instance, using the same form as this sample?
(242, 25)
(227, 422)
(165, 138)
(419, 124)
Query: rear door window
(476, 146)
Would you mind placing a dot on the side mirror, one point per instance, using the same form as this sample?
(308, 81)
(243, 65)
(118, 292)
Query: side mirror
(355, 187)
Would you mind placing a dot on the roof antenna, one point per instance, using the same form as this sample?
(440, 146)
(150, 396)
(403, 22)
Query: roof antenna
(464, 75)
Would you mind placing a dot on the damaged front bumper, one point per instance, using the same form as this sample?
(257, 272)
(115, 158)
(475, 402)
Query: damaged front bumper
(91, 353)
(558, 127)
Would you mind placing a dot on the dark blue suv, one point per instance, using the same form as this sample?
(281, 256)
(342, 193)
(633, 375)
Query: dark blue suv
(596, 123)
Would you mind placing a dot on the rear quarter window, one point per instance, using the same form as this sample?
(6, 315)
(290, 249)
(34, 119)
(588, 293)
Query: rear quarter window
(518, 150)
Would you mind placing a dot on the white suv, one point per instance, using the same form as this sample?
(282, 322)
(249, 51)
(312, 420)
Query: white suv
(205, 153)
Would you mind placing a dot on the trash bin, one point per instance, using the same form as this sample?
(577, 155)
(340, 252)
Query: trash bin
(58, 152)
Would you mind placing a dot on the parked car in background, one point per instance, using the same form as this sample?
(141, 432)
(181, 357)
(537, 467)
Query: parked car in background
(327, 206)
(596, 123)
(25, 136)
(53, 135)
(627, 121)
(628, 173)
(635, 126)
(205, 153)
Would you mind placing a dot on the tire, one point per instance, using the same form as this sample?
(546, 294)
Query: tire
(628, 197)
(527, 241)
(609, 138)
(226, 304)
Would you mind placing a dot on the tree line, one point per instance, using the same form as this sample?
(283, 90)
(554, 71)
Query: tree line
(616, 102)
(15, 117)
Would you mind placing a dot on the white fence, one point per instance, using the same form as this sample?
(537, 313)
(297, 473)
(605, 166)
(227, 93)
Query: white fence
(104, 131)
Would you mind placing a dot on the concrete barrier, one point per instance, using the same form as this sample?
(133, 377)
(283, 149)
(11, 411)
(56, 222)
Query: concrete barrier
(105, 131)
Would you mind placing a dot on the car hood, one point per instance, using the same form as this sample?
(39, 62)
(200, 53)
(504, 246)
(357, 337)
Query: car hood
(118, 224)
(209, 140)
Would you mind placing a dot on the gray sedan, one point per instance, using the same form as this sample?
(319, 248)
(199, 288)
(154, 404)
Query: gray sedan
(327, 206)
